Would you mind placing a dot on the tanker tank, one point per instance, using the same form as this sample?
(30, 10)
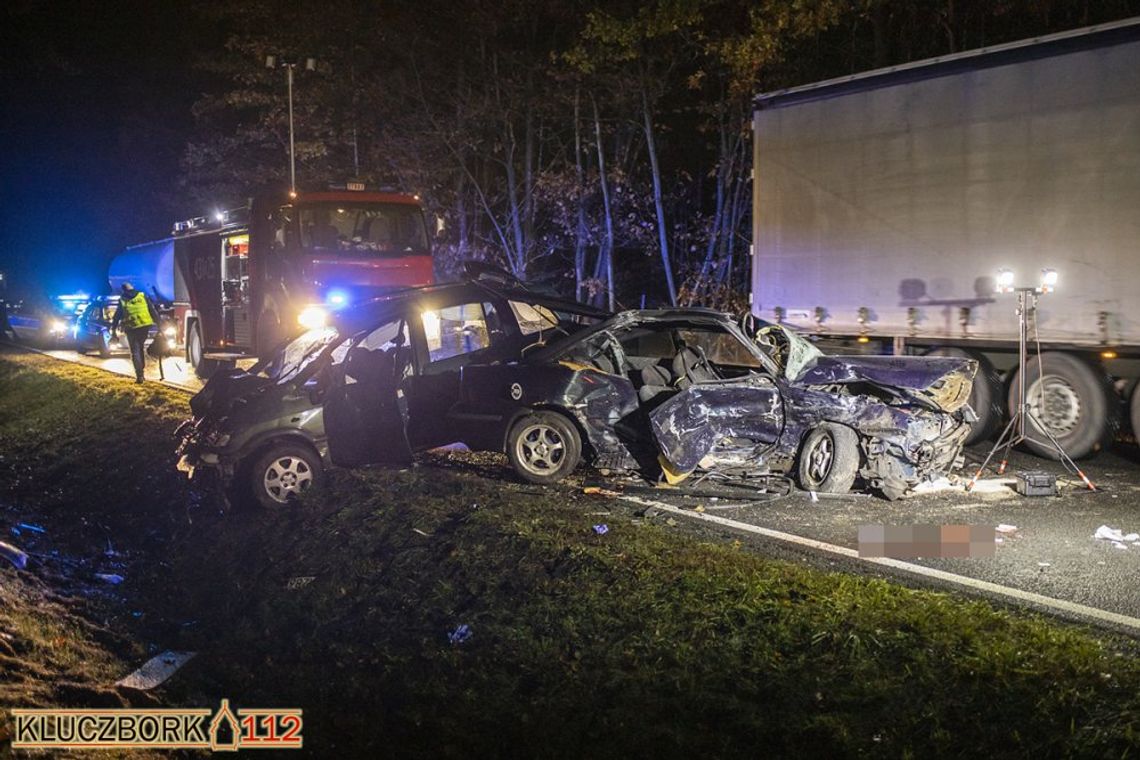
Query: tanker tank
(149, 267)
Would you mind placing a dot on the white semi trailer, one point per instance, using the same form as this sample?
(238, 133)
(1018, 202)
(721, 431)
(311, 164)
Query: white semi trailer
(885, 204)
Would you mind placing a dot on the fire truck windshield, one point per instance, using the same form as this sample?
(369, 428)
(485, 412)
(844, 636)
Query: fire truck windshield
(363, 229)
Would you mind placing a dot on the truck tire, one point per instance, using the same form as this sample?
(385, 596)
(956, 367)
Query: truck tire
(544, 447)
(195, 348)
(829, 459)
(1074, 400)
(1135, 415)
(985, 396)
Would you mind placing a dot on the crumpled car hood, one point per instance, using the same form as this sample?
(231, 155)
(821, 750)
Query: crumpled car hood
(944, 381)
(217, 397)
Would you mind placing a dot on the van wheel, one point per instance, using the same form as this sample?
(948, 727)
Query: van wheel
(1072, 400)
(829, 459)
(282, 473)
(195, 349)
(985, 395)
(1136, 413)
(544, 447)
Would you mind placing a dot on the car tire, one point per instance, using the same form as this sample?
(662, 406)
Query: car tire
(544, 447)
(282, 472)
(1079, 408)
(195, 348)
(104, 347)
(829, 459)
(985, 395)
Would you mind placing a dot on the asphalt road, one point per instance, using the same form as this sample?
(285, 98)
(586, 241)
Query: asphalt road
(1052, 551)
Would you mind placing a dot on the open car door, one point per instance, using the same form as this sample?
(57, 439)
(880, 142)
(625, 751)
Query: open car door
(365, 408)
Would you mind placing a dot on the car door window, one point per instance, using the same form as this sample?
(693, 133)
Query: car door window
(457, 330)
(720, 347)
(390, 338)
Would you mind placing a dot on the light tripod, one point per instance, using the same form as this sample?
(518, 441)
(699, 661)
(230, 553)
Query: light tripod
(1014, 432)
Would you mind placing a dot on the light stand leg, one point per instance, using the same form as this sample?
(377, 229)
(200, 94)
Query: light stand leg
(1015, 430)
(1066, 460)
(1008, 432)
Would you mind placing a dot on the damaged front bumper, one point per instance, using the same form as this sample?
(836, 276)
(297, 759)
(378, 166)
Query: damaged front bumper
(930, 444)
(201, 448)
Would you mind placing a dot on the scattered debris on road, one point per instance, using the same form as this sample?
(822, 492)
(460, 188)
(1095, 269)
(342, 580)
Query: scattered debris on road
(113, 578)
(1117, 537)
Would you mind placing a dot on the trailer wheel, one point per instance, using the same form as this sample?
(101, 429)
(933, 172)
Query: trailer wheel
(1136, 413)
(1072, 400)
(195, 350)
(985, 395)
(829, 459)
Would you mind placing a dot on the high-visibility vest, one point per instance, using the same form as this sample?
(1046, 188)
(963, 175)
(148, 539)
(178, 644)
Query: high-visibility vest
(137, 313)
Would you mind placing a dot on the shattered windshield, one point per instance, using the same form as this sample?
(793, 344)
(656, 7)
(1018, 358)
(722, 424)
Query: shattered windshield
(296, 355)
(790, 350)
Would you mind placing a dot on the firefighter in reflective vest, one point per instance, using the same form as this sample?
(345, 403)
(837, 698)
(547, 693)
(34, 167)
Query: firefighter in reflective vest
(137, 315)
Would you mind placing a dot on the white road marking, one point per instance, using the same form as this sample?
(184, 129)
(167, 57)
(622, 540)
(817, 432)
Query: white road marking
(1040, 600)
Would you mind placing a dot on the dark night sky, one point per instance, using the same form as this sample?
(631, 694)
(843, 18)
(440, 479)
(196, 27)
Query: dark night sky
(94, 111)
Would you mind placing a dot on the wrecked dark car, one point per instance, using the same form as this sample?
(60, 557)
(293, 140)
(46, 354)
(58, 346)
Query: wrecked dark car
(674, 392)
(374, 387)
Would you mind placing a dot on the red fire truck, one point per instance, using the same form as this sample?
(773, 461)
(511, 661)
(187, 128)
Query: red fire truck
(241, 281)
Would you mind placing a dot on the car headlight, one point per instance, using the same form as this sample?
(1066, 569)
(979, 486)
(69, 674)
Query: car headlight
(169, 332)
(58, 327)
(313, 317)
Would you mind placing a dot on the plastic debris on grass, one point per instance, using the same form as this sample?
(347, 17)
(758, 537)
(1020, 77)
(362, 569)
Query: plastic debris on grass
(461, 634)
(13, 555)
(601, 529)
(299, 582)
(113, 578)
(156, 670)
(1003, 528)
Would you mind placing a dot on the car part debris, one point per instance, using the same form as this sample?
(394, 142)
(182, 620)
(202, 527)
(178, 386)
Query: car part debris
(601, 529)
(299, 582)
(461, 634)
(18, 558)
(1003, 528)
(156, 670)
(112, 578)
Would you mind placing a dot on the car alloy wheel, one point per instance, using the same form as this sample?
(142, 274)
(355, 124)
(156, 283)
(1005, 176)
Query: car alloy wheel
(540, 448)
(820, 458)
(287, 477)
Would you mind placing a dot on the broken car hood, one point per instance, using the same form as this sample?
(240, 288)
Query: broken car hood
(944, 381)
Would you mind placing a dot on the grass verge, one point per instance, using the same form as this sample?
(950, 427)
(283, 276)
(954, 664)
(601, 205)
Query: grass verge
(639, 641)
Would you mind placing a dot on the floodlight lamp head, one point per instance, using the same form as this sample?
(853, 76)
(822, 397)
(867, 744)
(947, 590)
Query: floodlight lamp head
(1049, 279)
(1005, 281)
